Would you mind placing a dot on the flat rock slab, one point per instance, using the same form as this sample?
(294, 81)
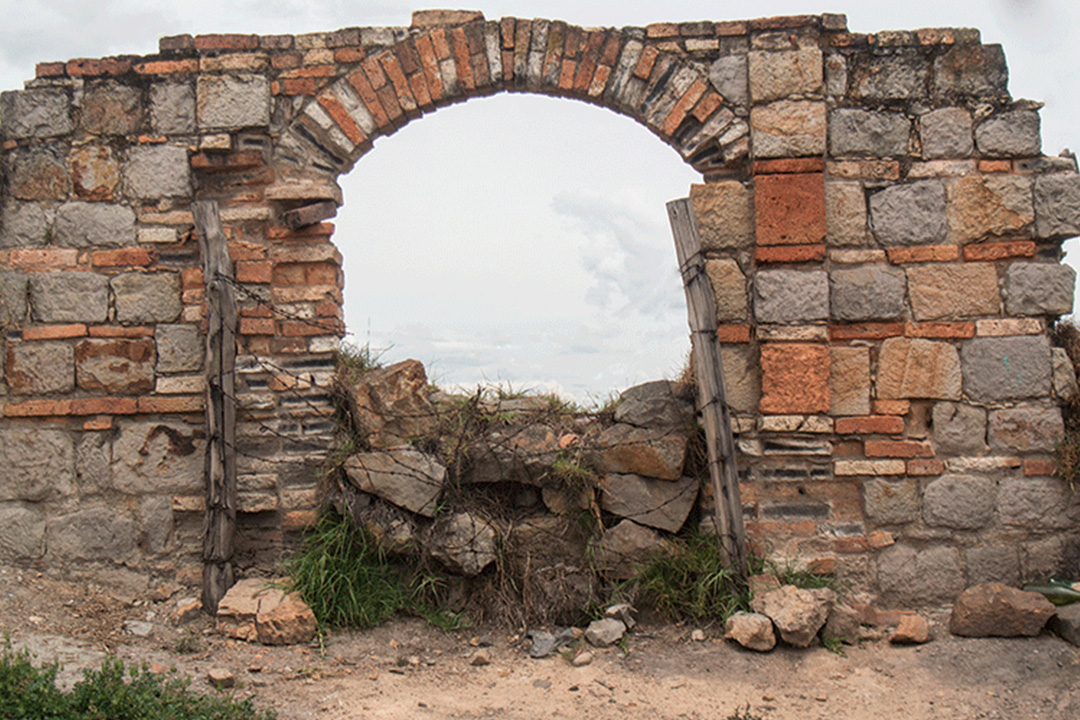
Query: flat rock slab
(656, 404)
(463, 542)
(650, 452)
(912, 630)
(403, 476)
(995, 610)
(390, 405)
(661, 504)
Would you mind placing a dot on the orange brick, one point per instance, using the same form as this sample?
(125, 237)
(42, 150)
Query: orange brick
(259, 271)
(123, 257)
(999, 250)
(995, 166)
(276, 232)
(168, 67)
(104, 406)
(311, 71)
(940, 330)
(850, 545)
(299, 519)
(777, 528)
(285, 60)
(789, 209)
(104, 66)
(925, 467)
(51, 69)
(870, 425)
(460, 47)
(322, 274)
(54, 332)
(790, 253)
(657, 30)
(866, 331)
(298, 328)
(101, 422)
(232, 41)
(37, 408)
(360, 83)
(789, 165)
(43, 257)
(645, 63)
(429, 64)
(120, 331)
(730, 28)
(898, 449)
(794, 379)
(925, 253)
(891, 407)
(176, 404)
(262, 311)
(297, 86)
(733, 333)
(243, 250)
(257, 326)
(191, 278)
(1040, 467)
(682, 108)
(193, 297)
(706, 106)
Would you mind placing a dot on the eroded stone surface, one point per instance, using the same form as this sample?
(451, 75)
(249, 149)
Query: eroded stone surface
(788, 128)
(791, 296)
(1027, 428)
(660, 504)
(917, 368)
(464, 542)
(962, 502)
(729, 290)
(871, 292)
(911, 214)
(1034, 288)
(403, 476)
(751, 630)
(994, 610)
(951, 291)
(725, 214)
(1008, 368)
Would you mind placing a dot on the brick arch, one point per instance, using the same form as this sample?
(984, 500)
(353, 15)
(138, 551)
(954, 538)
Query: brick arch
(386, 86)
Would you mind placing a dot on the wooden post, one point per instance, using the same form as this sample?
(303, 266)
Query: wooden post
(701, 310)
(219, 531)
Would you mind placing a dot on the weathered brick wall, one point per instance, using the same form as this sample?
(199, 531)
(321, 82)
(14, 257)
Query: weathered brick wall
(882, 230)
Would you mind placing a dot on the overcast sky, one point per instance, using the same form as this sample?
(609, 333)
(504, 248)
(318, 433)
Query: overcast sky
(520, 238)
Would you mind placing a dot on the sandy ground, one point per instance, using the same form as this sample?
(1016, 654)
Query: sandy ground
(407, 669)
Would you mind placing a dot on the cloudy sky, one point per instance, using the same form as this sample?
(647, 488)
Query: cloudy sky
(517, 238)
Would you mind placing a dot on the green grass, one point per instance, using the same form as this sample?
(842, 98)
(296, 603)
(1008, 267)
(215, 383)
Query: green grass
(113, 692)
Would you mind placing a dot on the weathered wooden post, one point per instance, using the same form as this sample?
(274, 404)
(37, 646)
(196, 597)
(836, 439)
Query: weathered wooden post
(220, 527)
(701, 310)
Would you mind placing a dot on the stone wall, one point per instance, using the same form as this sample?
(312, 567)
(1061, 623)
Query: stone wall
(882, 231)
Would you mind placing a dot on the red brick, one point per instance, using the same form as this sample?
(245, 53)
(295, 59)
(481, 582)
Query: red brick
(101, 422)
(104, 406)
(399, 82)
(297, 328)
(120, 331)
(37, 408)
(217, 162)
(566, 75)
(940, 330)
(733, 333)
(898, 449)
(870, 425)
(789, 165)
(276, 232)
(123, 257)
(168, 67)
(790, 208)
(778, 528)
(191, 278)
(925, 467)
(193, 297)
(288, 274)
(285, 60)
(589, 60)
(104, 66)
(506, 27)
(322, 274)
(257, 311)
(866, 331)
(358, 79)
(706, 106)
(682, 108)
(248, 271)
(730, 28)
(995, 166)
(296, 86)
(782, 22)
(226, 42)
(43, 257)
(176, 43)
(790, 253)
(312, 71)
(645, 63)
(238, 250)
(891, 407)
(1040, 467)
(299, 519)
(429, 65)
(175, 404)
(850, 545)
(460, 46)
(341, 116)
(925, 253)
(349, 55)
(54, 332)
(52, 69)
(794, 379)
(999, 250)
(257, 326)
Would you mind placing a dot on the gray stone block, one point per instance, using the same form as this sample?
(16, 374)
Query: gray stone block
(742, 377)
(1065, 385)
(1044, 558)
(971, 70)
(1009, 134)
(156, 519)
(1036, 503)
(13, 290)
(93, 456)
(231, 102)
(1039, 288)
(899, 76)
(101, 533)
(38, 464)
(917, 578)
(993, 563)
(654, 404)
(891, 502)
(157, 171)
(83, 224)
(836, 75)
(728, 75)
(729, 289)
(788, 128)
(872, 292)
(961, 502)
(180, 348)
(1057, 205)
(660, 504)
(777, 75)
(1024, 429)
(791, 296)
(157, 457)
(42, 112)
(172, 108)
(946, 133)
(866, 133)
(22, 532)
(958, 429)
(66, 297)
(1006, 368)
(40, 368)
(22, 225)
(910, 214)
(146, 297)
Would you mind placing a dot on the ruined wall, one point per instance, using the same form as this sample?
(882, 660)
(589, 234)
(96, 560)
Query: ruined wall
(883, 233)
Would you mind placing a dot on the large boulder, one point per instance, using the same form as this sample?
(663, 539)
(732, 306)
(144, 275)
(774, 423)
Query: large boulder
(390, 405)
(996, 610)
(463, 542)
(403, 476)
(651, 452)
(797, 613)
(751, 630)
(654, 404)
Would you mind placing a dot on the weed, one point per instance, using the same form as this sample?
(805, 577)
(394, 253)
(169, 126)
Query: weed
(573, 474)
(188, 644)
(743, 714)
(788, 574)
(353, 361)
(1066, 334)
(833, 644)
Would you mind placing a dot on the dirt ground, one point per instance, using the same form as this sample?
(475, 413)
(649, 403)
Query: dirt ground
(408, 669)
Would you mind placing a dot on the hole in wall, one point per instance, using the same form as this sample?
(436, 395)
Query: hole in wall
(521, 240)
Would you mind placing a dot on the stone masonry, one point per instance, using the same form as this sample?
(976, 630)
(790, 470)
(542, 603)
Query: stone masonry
(881, 227)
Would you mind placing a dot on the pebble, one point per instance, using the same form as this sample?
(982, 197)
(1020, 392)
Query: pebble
(138, 628)
(698, 635)
(582, 658)
(221, 677)
(480, 658)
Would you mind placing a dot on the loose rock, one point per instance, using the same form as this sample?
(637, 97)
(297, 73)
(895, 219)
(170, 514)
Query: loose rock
(994, 610)
(751, 630)
(797, 613)
(912, 630)
(602, 633)
(221, 678)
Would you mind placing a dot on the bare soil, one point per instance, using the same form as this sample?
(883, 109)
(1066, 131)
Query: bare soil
(407, 669)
